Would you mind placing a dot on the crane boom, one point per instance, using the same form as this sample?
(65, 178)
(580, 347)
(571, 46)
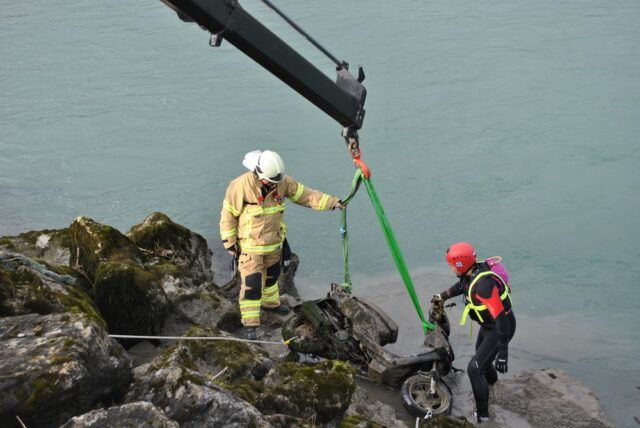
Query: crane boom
(342, 100)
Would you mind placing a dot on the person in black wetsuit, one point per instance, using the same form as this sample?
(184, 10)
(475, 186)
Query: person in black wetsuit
(487, 300)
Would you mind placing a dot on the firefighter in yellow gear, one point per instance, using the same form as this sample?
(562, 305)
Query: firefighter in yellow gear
(252, 228)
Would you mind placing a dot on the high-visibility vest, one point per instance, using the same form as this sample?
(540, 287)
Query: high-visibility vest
(479, 308)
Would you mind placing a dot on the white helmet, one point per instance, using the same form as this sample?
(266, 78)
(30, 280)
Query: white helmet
(270, 167)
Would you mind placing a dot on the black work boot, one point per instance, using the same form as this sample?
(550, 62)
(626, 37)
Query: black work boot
(480, 418)
(283, 309)
(251, 333)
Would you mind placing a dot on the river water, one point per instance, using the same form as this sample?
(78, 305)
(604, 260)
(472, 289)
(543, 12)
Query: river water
(509, 124)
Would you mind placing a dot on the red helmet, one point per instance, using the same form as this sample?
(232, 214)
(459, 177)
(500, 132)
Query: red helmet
(461, 256)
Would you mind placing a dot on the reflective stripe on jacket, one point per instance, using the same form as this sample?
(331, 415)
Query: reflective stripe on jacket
(468, 298)
(256, 224)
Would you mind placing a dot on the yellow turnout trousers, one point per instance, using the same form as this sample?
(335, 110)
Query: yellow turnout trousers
(259, 287)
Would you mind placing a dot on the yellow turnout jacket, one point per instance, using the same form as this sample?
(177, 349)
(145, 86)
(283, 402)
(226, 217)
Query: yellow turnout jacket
(256, 223)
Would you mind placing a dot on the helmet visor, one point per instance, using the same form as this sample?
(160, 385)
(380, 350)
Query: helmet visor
(276, 179)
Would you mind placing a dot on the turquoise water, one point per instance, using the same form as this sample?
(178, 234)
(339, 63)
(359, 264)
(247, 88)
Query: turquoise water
(510, 124)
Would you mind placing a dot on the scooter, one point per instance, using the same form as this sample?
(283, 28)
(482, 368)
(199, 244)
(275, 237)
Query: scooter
(346, 327)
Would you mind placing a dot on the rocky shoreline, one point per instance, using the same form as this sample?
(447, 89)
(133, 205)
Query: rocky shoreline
(62, 292)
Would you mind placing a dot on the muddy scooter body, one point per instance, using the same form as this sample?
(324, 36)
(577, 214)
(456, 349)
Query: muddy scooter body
(342, 326)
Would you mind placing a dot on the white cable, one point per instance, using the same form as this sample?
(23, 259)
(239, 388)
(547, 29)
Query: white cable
(234, 339)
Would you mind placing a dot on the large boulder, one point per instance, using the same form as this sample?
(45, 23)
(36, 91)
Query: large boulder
(93, 243)
(29, 287)
(138, 414)
(130, 298)
(550, 398)
(203, 306)
(53, 367)
(237, 366)
(173, 383)
(50, 245)
(320, 392)
(163, 239)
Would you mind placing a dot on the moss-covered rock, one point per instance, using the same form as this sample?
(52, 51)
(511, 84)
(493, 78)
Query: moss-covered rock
(50, 245)
(287, 421)
(27, 286)
(92, 243)
(320, 392)
(164, 239)
(56, 366)
(130, 299)
(138, 414)
(7, 291)
(158, 232)
(7, 242)
(444, 421)
(171, 382)
(355, 421)
(200, 307)
(236, 366)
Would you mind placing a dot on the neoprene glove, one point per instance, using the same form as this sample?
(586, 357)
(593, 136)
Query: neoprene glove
(436, 298)
(501, 360)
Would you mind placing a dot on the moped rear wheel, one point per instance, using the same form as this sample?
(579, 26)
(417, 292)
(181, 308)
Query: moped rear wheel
(420, 401)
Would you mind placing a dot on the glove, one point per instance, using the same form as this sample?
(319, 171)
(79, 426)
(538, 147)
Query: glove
(437, 298)
(339, 205)
(233, 250)
(501, 361)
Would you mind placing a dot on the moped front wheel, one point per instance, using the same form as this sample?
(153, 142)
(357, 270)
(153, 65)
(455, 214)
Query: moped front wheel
(422, 397)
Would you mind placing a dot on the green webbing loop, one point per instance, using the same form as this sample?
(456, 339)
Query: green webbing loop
(391, 242)
(355, 185)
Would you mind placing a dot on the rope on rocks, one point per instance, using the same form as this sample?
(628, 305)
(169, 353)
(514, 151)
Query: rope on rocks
(232, 339)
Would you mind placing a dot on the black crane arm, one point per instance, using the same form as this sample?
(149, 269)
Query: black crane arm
(343, 100)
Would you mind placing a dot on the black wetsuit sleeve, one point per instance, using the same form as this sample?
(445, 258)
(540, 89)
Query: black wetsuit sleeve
(502, 328)
(487, 292)
(453, 291)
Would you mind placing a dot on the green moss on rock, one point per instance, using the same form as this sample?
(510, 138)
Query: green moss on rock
(129, 298)
(356, 421)
(174, 353)
(61, 235)
(78, 301)
(92, 242)
(40, 301)
(246, 388)
(444, 421)
(160, 270)
(7, 291)
(7, 242)
(239, 359)
(159, 232)
(323, 391)
(25, 276)
(41, 392)
(23, 291)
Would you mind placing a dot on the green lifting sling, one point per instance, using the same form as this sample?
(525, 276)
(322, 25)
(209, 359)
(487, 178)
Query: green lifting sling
(394, 248)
